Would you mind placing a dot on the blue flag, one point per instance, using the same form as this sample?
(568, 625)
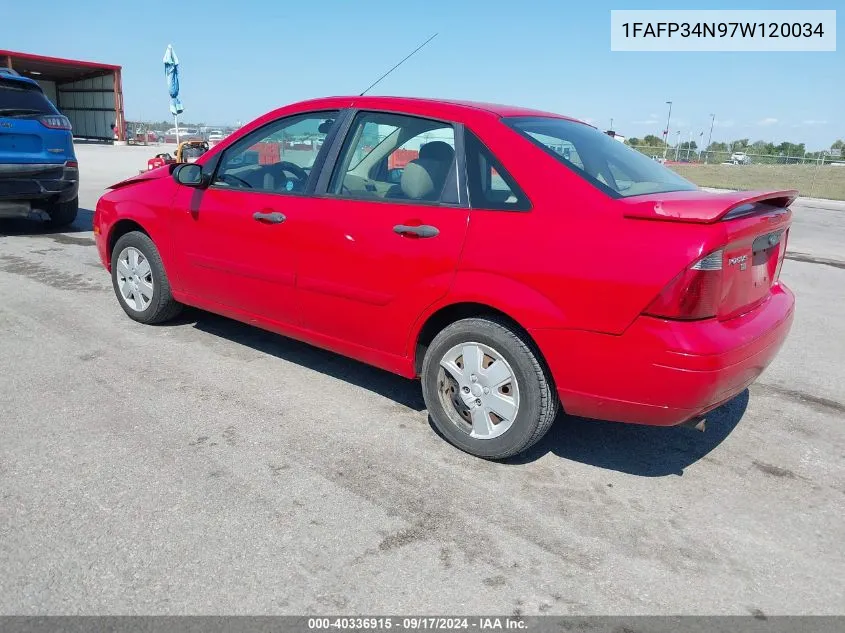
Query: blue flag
(171, 73)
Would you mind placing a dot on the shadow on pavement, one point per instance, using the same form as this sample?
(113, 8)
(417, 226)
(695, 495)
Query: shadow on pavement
(22, 226)
(645, 451)
(401, 390)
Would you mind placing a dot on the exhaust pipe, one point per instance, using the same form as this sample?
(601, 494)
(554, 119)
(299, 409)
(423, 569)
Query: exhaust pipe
(697, 423)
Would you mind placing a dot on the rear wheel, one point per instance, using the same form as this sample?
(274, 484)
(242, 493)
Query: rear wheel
(139, 280)
(63, 213)
(486, 389)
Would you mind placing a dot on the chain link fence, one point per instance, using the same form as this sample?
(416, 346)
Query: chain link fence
(735, 157)
(815, 175)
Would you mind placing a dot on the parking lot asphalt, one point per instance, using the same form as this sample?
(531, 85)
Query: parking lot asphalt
(210, 467)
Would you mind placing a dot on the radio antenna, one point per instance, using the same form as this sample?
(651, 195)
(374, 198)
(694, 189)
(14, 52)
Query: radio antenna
(411, 54)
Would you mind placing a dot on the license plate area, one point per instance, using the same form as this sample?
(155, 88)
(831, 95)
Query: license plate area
(749, 276)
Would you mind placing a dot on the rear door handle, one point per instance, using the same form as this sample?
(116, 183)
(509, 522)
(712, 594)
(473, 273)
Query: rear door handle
(273, 217)
(424, 230)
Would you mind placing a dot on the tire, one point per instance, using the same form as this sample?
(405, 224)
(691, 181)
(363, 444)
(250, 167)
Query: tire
(533, 392)
(63, 213)
(156, 306)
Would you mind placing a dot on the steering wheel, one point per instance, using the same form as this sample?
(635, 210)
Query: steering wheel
(225, 177)
(296, 170)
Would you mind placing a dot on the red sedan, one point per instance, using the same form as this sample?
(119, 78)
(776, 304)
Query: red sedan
(515, 261)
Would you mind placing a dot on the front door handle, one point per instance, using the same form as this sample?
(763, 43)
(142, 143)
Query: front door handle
(273, 217)
(424, 230)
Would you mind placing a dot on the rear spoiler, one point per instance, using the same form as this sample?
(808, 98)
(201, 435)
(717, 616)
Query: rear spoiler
(704, 207)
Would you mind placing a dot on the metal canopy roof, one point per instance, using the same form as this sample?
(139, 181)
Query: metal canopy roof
(54, 68)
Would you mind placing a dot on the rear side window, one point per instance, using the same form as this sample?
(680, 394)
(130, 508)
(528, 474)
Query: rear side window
(490, 185)
(608, 164)
(397, 158)
(19, 99)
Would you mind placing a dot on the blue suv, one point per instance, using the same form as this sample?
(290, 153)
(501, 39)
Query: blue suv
(38, 167)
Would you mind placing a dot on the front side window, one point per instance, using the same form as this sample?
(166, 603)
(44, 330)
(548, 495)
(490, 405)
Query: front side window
(603, 161)
(278, 157)
(396, 157)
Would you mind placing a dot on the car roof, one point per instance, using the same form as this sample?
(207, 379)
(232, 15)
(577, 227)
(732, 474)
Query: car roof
(418, 105)
(20, 79)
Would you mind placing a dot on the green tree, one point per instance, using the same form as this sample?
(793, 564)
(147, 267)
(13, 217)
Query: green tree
(790, 149)
(838, 144)
(652, 141)
(762, 147)
(633, 141)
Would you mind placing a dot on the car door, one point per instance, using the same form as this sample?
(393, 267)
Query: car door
(234, 236)
(379, 248)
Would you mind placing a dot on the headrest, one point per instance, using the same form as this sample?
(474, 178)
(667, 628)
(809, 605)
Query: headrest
(437, 150)
(418, 179)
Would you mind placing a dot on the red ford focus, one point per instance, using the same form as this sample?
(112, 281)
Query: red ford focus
(516, 261)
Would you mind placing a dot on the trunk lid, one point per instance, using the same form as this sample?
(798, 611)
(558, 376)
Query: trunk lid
(753, 256)
(747, 233)
(23, 138)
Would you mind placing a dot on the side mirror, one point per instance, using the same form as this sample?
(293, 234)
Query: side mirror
(191, 175)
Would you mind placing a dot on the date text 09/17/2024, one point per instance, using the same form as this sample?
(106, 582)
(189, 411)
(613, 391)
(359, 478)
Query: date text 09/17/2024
(416, 623)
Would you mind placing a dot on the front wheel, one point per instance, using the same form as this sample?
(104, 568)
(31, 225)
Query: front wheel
(486, 389)
(139, 280)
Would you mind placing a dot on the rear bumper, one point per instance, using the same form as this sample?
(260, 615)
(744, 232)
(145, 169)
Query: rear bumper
(37, 184)
(663, 372)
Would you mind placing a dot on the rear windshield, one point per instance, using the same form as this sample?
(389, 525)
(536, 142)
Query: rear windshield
(600, 159)
(19, 99)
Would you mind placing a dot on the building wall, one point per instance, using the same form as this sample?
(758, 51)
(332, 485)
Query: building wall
(89, 104)
(49, 88)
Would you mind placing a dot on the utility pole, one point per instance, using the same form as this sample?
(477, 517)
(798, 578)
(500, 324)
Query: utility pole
(678, 145)
(611, 124)
(666, 131)
(710, 136)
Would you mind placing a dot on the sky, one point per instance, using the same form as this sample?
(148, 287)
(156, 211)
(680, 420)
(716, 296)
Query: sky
(240, 59)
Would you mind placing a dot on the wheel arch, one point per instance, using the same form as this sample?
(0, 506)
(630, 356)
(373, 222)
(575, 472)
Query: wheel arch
(478, 294)
(121, 228)
(450, 313)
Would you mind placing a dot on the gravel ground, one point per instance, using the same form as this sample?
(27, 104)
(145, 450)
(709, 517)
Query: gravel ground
(209, 467)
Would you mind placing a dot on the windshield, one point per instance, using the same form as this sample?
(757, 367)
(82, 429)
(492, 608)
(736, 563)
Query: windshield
(193, 152)
(607, 163)
(17, 97)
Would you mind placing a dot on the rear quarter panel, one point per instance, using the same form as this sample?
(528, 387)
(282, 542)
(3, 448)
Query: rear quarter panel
(572, 261)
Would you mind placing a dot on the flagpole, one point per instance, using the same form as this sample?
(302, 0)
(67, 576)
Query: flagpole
(176, 121)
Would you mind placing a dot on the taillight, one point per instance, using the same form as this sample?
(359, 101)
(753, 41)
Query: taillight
(72, 164)
(693, 294)
(781, 255)
(55, 122)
